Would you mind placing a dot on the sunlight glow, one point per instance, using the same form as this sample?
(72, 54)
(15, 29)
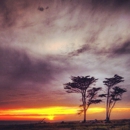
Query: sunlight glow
(51, 117)
(95, 110)
(49, 112)
(38, 113)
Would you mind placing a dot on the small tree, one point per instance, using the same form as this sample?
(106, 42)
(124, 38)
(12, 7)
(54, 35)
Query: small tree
(114, 94)
(81, 85)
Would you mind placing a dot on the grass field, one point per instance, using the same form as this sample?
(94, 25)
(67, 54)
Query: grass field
(90, 125)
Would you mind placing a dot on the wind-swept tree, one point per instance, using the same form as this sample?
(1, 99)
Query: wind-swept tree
(114, 93)
(81, 85)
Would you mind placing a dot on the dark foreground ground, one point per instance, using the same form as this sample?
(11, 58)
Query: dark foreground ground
(90, 125)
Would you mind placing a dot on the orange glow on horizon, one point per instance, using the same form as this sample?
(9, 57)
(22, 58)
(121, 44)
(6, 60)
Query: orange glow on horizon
(37, 113)
(50, 113)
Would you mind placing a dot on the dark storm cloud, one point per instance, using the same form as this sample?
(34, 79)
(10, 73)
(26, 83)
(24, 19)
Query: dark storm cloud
(12, 10)
(9, 11)
(123, 49)
(23, 76)
(79, 51)
(19, 66)
(112, 4)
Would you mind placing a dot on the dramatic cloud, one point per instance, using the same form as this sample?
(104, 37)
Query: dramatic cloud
(124, 49)
(44, 42)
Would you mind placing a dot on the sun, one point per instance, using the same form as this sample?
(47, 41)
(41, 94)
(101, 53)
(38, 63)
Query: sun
(50, 117)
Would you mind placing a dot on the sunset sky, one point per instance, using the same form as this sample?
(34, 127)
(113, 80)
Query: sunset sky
(45, 42)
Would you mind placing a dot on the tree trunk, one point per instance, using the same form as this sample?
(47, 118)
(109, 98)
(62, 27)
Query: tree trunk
(84, 115)
(107, 107)
(107, 120)
(84, 106)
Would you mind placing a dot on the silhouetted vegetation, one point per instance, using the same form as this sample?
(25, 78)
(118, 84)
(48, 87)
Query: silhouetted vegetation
(82, 85)
(114, 93)
(75, 125)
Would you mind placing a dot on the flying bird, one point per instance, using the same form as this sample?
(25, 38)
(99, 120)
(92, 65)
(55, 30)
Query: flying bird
(40, 8)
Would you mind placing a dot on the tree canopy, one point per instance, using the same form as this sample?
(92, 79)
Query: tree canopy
(114, 93)
(82, 85)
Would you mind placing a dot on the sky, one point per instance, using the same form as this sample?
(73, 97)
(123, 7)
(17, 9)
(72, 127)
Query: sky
(45, 42)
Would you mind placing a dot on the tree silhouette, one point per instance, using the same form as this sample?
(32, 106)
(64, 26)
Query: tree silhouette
(114, 93)
(81, 85)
